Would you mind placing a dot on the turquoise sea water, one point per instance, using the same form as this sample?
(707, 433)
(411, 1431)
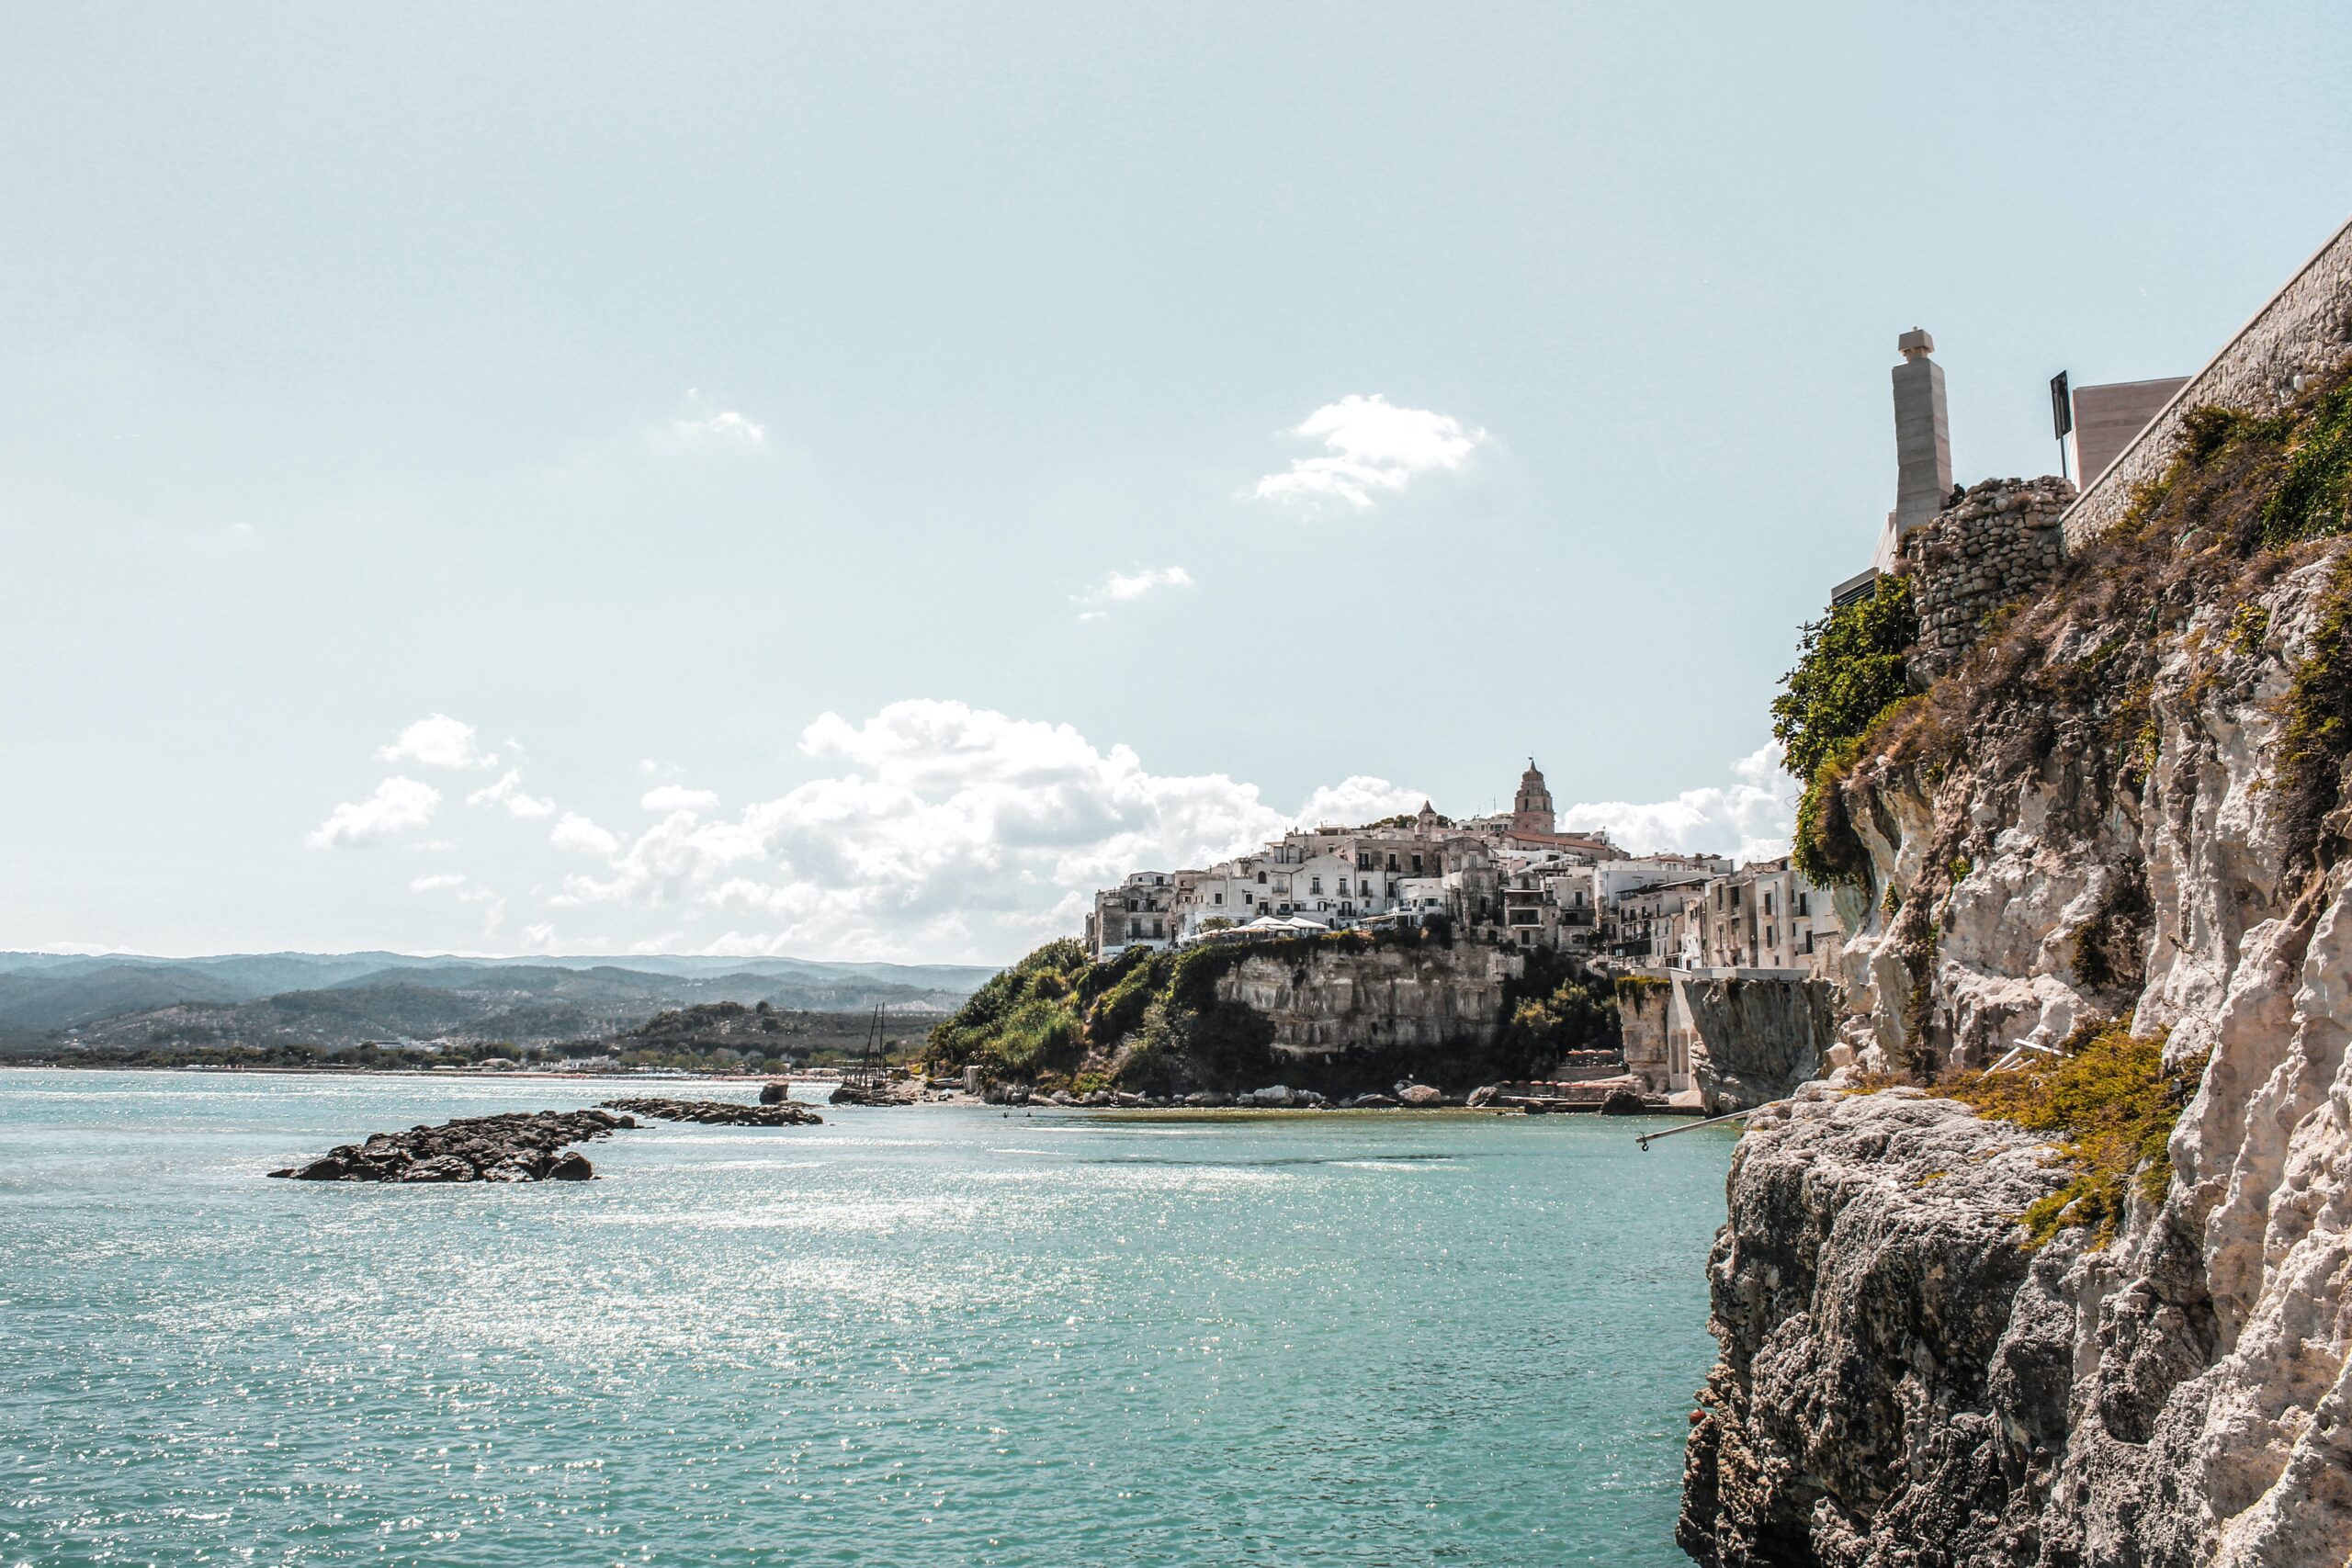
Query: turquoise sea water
(919, 1336)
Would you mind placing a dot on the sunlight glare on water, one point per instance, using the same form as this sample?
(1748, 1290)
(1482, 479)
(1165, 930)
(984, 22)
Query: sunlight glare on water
(923, 1337)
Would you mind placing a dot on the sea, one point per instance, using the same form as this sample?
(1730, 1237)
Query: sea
(934, 1335)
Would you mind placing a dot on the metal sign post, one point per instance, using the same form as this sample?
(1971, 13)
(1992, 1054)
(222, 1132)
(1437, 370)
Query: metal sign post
(2062, 420)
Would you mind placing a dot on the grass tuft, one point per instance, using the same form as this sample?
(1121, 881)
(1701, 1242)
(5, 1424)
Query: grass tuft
(2111, 1103)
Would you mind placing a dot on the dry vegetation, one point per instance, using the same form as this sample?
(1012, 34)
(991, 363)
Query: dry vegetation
(2111, 1103)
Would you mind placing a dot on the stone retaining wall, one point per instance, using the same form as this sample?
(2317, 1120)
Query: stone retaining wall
(1999, 543)
(2303, 329)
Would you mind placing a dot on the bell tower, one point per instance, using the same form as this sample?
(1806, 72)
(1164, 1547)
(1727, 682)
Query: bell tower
(1530, 809)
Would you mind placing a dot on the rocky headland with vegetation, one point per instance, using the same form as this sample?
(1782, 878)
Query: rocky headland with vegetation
(1155, 1026)
(2053, 1268)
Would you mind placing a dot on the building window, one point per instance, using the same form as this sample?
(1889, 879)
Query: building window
(1314, 885)
(1392, 864)
(1246, 898)
(1809, 938)
(1216, 897)
(1805, 904)
(1261, 879)
(1768, 900)
(1416, 865)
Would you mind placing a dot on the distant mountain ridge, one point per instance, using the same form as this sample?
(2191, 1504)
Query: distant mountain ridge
(342, 999)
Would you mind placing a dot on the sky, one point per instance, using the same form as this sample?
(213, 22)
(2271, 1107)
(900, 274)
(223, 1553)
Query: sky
(842, 481)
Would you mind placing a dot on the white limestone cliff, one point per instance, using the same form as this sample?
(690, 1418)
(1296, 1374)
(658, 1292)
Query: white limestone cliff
(1902, 1382)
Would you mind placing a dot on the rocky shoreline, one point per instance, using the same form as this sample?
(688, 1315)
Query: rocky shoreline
(718, 1112)
(1609, 1099)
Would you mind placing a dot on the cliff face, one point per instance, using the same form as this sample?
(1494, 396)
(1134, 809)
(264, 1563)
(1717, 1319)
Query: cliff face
(1754, 1041)
(2126, 803)
(1413, 997)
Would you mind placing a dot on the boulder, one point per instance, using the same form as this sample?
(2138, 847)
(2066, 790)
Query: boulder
(775, 1093)
(1372, 1102)
(1419, 1094)
(440, 1168)
(1482, 1095)
(1622, 1103)
(328, 1167)
(570, 1165)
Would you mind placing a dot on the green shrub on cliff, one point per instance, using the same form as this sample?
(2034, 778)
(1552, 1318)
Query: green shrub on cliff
(2319, 730)
(1849, 671)
(1024, 1019)
(1558, 1005)
(2112, 1103)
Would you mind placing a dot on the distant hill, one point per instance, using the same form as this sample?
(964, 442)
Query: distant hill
(343, 999)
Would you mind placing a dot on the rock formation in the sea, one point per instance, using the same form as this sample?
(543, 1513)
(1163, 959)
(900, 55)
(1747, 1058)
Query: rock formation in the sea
(528, 1146)
(720, 1112)
(2123, 805)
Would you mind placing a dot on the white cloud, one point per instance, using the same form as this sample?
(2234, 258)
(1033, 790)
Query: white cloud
(440, 741)
(1355, 801)
(508, 791)
(438, 880)
(941, 828)
(1122, 586)
(539, 938)
(1136, 584)
(494, 913)
(398, 804)
(1373, 447)
(580, 835)
(677, 797)
(707, 428)
(1751, 818)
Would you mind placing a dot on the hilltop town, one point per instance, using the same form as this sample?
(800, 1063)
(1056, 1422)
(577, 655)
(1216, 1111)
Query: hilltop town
(1512, 879)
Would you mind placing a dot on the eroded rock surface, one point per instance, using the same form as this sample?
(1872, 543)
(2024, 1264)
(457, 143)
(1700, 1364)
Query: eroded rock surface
(528, 1146)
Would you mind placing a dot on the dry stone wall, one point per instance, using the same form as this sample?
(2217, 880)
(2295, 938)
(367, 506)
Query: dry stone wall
(2000, 542)
(2301, 331)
